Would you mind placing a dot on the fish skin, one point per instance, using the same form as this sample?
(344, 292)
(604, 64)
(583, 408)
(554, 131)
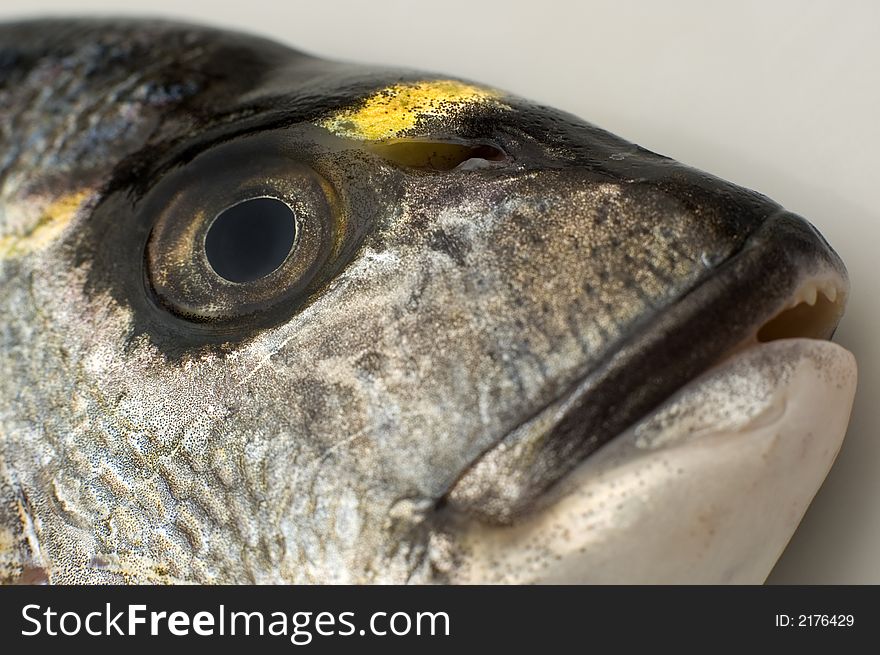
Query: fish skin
(318, 439)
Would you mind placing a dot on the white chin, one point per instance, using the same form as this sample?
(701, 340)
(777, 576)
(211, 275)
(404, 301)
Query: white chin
(708, 488)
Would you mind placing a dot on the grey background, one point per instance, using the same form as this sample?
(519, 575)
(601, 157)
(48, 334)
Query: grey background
(782, 97)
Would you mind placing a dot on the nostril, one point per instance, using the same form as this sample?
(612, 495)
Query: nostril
(440, 155)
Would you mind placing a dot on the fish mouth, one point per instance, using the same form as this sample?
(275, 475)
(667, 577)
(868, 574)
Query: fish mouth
(785, 285)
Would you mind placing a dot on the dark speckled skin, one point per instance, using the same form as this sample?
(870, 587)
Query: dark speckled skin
(329, 431)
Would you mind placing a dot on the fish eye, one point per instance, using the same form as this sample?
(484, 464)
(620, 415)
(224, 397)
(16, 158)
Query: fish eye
(250, 239)
(242, 227)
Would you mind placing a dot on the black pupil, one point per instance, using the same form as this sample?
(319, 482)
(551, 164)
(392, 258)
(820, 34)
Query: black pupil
(251, 239)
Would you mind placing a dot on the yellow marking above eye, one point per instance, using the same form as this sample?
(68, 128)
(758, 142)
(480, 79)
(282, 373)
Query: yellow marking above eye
(396, 109)
(48, 226)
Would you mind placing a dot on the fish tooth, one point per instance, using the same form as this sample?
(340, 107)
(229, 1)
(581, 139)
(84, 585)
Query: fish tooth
(810, 295)
(831, 292)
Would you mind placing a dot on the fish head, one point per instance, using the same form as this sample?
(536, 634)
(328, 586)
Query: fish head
(272, 318)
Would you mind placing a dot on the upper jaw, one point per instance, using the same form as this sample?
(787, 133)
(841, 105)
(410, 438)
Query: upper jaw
(785, 282)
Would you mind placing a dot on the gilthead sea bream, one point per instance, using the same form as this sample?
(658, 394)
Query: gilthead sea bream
(270, 318)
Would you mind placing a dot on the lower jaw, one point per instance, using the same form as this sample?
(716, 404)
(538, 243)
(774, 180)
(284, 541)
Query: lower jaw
(708, 488)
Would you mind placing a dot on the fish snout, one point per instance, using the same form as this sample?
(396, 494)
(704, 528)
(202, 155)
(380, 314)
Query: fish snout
(692, 451)
(777, 280)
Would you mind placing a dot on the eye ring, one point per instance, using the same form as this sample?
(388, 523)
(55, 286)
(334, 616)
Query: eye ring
(187, 204)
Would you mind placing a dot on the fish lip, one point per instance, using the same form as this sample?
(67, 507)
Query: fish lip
(765, 274)
(707, 488)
